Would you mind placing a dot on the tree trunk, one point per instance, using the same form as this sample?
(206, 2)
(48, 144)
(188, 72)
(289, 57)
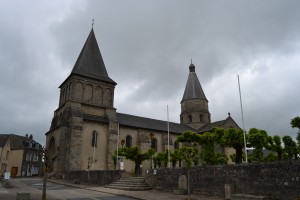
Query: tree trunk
(44, 185)
(189, 192)
(239, 155)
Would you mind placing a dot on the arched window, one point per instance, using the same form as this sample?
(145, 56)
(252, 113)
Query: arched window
(201, 118)
(190, 118)
(154, 144)
(128, 141)
(94, 139)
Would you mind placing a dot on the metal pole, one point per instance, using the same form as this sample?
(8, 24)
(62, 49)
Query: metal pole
(168, 137)
(244, 131)
(118, 144)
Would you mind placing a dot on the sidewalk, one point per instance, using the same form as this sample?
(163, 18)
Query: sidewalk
(143, 195)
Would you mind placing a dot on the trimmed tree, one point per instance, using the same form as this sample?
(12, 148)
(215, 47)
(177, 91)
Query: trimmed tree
(233, 138)
(257, 139)
(290, 147)
(137, 156)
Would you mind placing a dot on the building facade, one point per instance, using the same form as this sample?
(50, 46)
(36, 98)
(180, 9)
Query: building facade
(19, 155)
(86, 123)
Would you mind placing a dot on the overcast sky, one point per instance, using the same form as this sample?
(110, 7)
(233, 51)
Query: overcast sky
(147, 47)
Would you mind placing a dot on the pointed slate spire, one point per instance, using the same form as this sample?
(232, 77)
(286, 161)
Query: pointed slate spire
(90, 62)
(193, 89)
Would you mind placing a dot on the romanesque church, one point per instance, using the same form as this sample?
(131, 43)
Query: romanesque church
(86, 123)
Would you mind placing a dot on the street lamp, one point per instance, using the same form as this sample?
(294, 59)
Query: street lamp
(122, 143)
(151, 135)
(122, 156)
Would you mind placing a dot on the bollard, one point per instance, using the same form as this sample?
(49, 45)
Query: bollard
(23, 196)
(227, 191)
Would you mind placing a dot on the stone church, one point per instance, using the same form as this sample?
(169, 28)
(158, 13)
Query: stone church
(86, 123)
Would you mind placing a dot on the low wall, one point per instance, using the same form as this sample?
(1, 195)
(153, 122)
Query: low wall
(101, 177)
(277, 180)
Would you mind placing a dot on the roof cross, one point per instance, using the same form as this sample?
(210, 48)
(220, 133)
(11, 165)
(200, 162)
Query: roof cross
(93, 23)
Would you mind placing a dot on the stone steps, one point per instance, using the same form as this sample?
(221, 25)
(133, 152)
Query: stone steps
(130, 183)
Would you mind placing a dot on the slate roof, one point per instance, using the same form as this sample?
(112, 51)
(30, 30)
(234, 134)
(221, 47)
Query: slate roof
(193, 89)
(17, 142)
(210, 126)
(147, 123)
(90, 63)
(3, 139)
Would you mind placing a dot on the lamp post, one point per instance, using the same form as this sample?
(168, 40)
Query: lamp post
(122, 143)
(151, 135)
(121, 157)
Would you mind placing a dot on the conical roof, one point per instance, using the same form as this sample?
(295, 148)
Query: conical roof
(90, 62)
(193, 89)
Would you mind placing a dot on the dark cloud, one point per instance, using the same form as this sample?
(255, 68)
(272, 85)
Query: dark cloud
(147, 47)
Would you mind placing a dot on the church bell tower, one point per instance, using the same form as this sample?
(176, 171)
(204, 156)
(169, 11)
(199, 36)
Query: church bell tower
(194, 104)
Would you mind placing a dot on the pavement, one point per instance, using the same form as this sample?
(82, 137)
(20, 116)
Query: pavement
(19, 185)
(142, 195)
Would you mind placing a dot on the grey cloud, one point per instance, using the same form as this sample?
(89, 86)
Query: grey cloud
(152, 42)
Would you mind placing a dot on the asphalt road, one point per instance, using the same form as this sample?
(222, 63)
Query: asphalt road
(54, 191)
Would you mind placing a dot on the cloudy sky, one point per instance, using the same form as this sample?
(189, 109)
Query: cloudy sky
(147, 47)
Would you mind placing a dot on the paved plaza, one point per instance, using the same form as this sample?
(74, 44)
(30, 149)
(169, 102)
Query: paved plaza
(62, 190)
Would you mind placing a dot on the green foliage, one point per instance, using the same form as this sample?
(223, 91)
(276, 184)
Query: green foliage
(134, 154)
(166, 158)
(234, 138)
(271, 157)
(188, 153)
(188, 137)
(295, 122)
(220, 159)
(257, 139)
(176, 156)
(273, 144)
(158, 159)
(233, 157)
(290, 147)
(207, 140)
(196, 159)
(114, 158)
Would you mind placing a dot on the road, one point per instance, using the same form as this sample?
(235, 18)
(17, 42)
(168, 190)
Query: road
(54, 191)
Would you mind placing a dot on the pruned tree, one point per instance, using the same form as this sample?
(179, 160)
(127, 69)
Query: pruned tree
(273, 144)
(295, 122)
(257, 139)
(290, 147)
(137, 156)
(49, 158)
(232, 138)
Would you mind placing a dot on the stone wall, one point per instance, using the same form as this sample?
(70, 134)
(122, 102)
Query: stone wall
(277, 180)
(101, 177)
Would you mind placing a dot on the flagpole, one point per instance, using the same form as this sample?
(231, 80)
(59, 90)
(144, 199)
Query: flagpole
(168, 136)
(118, 144)
(244, 131)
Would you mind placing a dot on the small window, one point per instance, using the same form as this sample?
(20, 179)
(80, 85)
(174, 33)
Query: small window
(94, 139)
(154, 144)
(190, 118)
(128, 141)
(201, 118)
(27, 157)
(181, 120)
